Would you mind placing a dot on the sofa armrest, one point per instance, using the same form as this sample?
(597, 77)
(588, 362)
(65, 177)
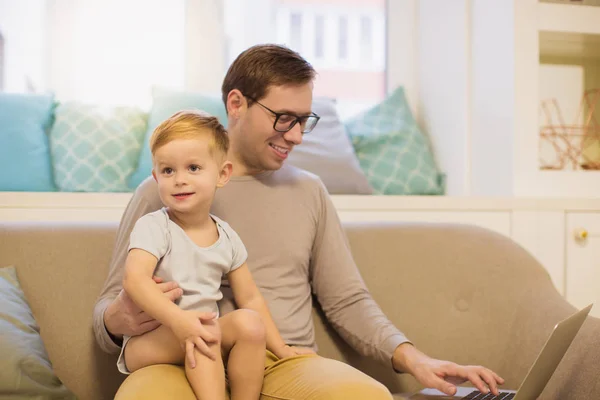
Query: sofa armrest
(468, 295)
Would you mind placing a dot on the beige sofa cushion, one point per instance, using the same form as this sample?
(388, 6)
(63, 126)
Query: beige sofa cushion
(26, 370)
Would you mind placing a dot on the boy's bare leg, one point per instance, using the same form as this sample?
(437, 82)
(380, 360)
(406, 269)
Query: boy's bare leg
(243, 342)
(160, 346)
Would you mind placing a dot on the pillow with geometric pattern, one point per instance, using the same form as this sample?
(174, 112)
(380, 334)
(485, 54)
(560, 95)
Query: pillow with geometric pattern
(94, 148)
(392, 151)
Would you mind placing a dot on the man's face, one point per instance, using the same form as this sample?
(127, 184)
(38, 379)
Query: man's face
(258, 146)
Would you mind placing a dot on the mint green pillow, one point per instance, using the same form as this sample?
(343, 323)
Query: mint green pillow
(392, 151)
(26, 371)
(95, 149)
(165, 103)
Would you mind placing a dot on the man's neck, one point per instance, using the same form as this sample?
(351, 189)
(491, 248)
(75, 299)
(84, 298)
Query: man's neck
(239, 168)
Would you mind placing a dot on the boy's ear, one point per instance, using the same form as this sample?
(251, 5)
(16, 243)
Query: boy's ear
(236, 103)
(225, 173)
(154, 174)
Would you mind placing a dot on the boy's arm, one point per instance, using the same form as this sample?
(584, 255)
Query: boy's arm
(144, 292)
(186, 325)
(247, 295)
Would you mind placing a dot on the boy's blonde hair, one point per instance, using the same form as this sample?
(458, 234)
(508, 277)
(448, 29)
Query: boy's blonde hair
(191, 124)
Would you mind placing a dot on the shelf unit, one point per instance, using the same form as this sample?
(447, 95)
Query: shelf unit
(557, 54)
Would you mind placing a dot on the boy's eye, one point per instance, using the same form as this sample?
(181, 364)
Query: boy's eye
(167, 171)
(195, 168)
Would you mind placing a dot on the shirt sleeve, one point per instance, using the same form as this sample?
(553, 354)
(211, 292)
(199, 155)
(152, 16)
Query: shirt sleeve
(341, 291)
(144, 200)
(239, 252)
(150, 234)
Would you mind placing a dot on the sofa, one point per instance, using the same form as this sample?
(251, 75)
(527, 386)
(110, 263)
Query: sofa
(459, 292)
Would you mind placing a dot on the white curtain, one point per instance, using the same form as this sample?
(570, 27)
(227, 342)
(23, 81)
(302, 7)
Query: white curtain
(114, 51)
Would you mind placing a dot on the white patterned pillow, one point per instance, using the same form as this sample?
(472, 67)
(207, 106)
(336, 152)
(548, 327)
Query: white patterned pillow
(95, 149)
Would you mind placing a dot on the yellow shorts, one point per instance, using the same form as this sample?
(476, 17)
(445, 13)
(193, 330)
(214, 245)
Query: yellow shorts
(307, 377)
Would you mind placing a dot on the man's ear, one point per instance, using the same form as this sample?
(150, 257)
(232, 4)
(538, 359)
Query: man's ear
(236, 104)
(225, 173)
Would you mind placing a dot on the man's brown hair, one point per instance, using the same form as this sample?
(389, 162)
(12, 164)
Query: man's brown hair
(191, 124)
(265, 65)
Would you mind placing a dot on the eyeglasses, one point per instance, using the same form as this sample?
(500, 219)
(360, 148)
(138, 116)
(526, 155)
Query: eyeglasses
(284, 122)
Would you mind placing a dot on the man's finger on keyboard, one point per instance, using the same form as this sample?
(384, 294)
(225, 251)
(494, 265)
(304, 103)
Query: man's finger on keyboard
(490, 379)
(475, 378)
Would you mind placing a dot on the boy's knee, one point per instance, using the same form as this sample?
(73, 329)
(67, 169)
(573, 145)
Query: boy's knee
(249, 325)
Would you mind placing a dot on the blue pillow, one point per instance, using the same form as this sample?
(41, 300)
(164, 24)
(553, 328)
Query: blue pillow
(24, 151)
(394, 153)
(164, 104)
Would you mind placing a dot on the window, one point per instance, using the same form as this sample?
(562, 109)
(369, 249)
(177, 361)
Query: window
(105, 52)
(343, 38)
(329, 34)
(296, 30)
(366, 40)
(319, 37)
(115, 51)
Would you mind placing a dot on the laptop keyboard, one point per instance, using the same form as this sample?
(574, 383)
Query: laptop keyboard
(482, 396)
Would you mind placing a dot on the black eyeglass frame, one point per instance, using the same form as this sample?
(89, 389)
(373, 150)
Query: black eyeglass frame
(297, 118)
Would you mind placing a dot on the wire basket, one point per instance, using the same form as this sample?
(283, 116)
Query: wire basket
(564, 146)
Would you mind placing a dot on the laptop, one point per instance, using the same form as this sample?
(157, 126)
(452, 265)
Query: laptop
(539, 374)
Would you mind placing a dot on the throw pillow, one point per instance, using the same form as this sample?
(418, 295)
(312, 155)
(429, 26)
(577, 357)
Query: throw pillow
(395, 155)
(24, 154)
(26, 370)
(328, 153)
(164, 104)
(95, 149)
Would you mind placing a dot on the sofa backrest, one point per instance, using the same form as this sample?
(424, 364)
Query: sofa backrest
(61, 268)
(445, 286)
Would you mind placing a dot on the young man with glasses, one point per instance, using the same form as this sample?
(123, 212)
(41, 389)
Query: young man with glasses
(296, 248)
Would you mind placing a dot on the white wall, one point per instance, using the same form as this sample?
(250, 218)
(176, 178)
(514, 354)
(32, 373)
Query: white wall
(443, 82)
(492, 91)
(401, 50)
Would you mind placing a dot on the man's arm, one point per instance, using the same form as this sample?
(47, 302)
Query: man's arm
(114, 311)
(352, 311)
(341, 292)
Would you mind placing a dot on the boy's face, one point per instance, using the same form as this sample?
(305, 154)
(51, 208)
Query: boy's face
(257, 145)
(188, 175)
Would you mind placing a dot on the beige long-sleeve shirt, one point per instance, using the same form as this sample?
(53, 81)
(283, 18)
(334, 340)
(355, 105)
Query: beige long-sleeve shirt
(296, 248)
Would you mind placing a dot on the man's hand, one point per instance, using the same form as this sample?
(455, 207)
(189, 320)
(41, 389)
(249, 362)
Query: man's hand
(194, 330)
(443, 375)
(291, 351)
(124, 317)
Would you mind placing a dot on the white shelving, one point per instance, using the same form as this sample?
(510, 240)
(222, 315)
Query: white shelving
(562, 36)
(568, 18)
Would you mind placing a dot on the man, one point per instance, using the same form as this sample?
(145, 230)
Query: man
(296, 247)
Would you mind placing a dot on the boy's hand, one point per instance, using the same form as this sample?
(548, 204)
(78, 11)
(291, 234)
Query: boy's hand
(190, 330)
